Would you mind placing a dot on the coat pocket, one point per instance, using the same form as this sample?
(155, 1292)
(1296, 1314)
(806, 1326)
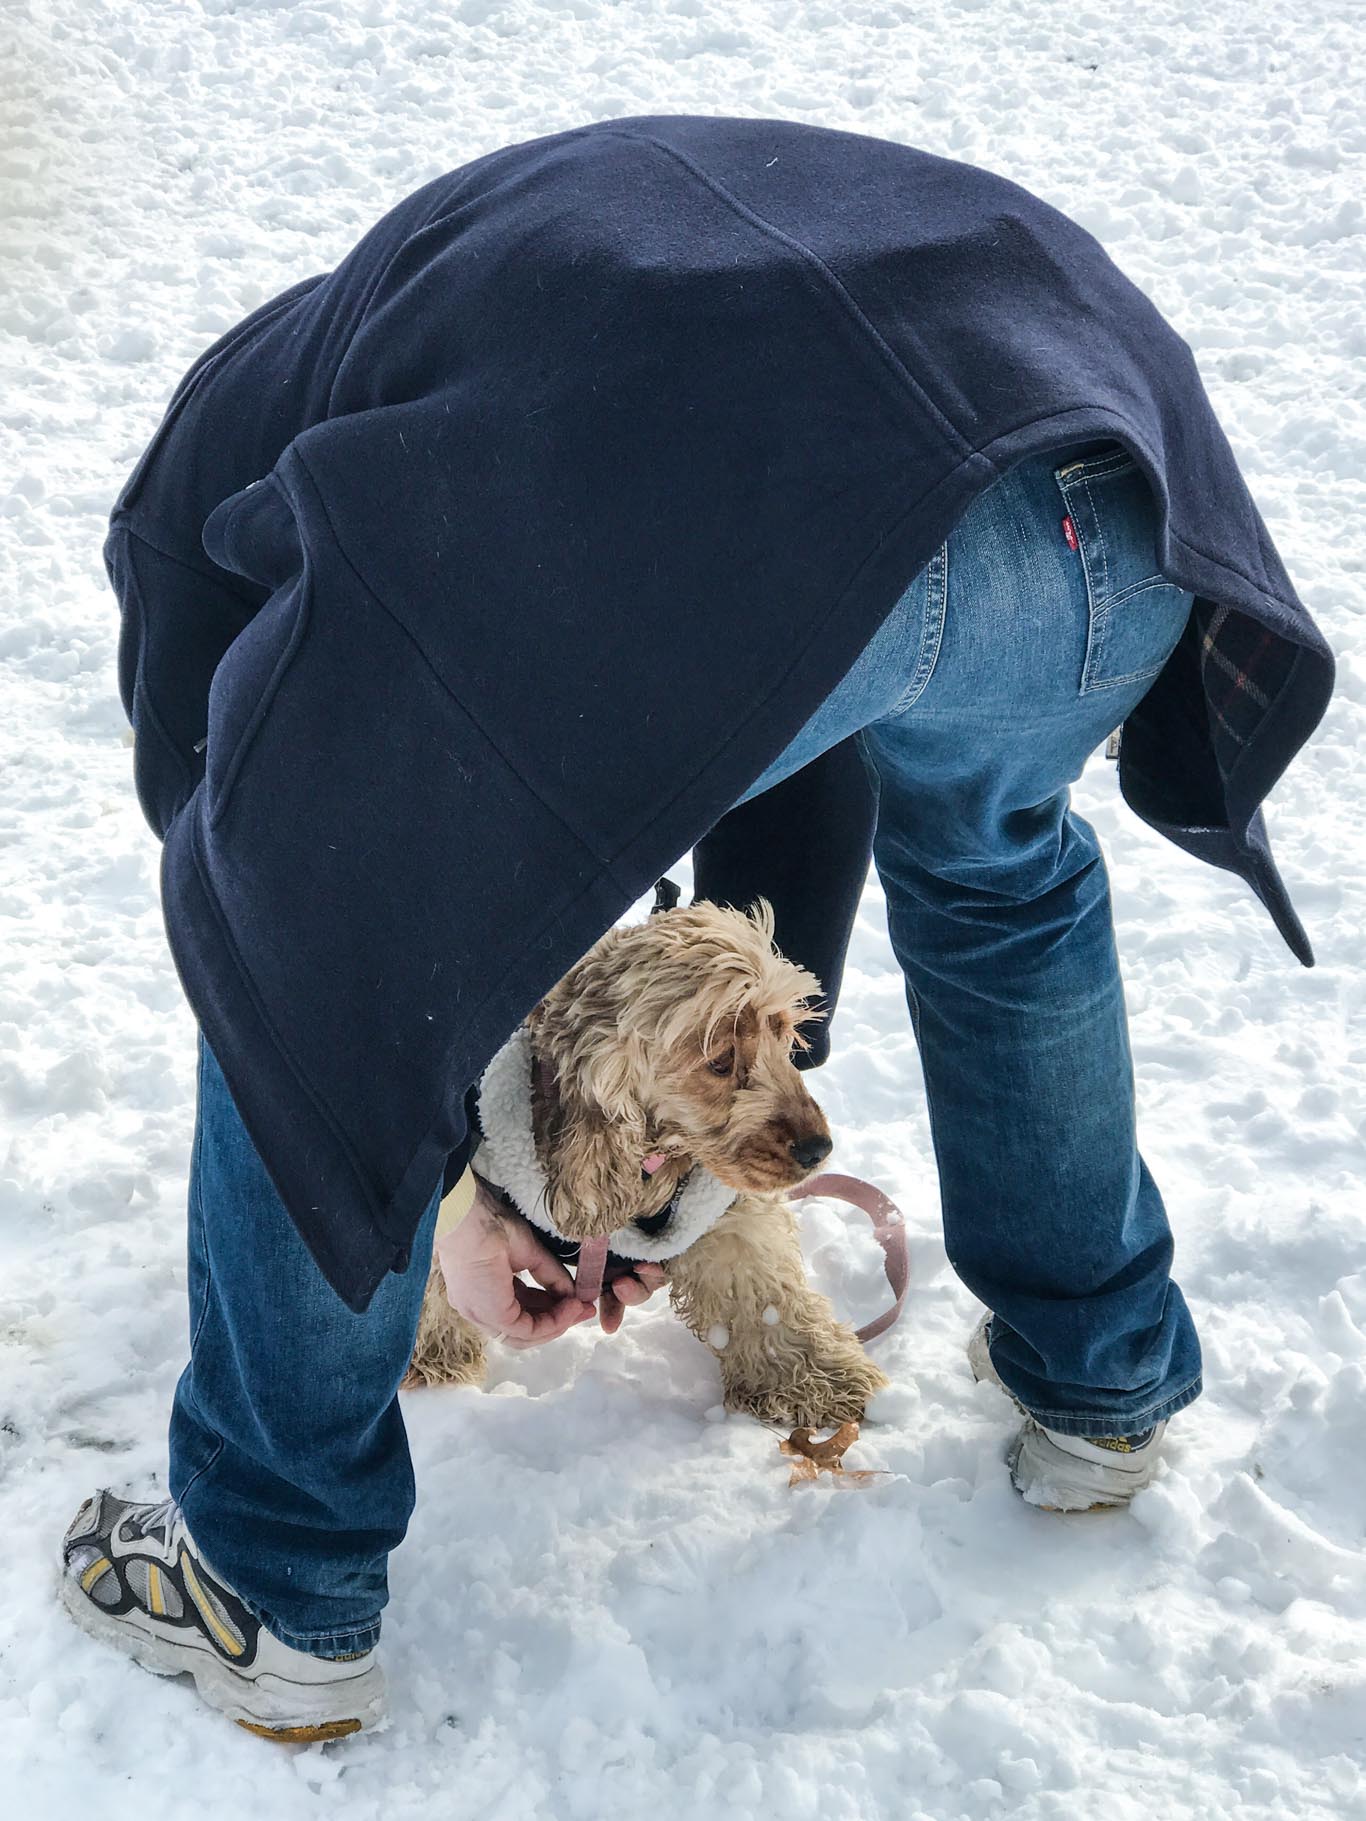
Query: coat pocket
(1135, 615)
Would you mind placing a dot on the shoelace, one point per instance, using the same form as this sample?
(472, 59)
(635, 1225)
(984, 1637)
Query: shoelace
(167, 1517)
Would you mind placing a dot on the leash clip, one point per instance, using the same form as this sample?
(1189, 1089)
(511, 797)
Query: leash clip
(667, 894)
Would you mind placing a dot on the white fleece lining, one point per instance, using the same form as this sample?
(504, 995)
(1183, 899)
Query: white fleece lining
(507, 1158)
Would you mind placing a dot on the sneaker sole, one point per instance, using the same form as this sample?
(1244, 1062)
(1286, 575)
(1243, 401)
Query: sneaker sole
(303, 1735)
(1074, 1510)
(222, 1688)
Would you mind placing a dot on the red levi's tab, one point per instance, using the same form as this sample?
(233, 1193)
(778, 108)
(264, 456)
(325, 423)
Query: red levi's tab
(1069, 531)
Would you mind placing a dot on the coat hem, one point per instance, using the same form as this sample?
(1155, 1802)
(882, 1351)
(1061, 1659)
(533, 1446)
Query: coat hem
(221, 982)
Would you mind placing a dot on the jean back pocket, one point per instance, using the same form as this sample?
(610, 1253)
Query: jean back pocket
(1136, 615)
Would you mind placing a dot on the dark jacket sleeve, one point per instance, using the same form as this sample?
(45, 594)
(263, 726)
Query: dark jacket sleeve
(805, 846)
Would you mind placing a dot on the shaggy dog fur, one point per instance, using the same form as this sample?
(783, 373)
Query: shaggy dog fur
(677, 1036)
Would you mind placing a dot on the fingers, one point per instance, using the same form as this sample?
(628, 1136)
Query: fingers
(639, 1284)
(530, 1296)
(536, 1315)
(526, 1253)
(533, 1327)
(628, 1291)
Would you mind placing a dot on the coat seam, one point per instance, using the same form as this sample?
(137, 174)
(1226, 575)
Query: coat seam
(833, 282)
(1218, 562)
(222, 578)
(575, 835)
(219, 800)
(361, 310)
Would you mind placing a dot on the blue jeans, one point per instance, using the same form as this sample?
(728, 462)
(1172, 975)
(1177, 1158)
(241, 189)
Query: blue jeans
(288, 1453)
(1024, 642)
(1005, 663)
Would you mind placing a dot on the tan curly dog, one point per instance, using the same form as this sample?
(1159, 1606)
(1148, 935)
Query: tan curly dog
(676, 1037)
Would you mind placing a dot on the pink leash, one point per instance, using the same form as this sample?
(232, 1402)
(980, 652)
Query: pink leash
(889, 1228)
(592, 1264)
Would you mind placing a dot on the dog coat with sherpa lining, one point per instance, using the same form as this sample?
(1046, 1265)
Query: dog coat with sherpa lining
(506, 1159)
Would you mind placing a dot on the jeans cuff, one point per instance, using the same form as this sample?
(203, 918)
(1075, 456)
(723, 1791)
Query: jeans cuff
(353, 1641)
(1127, 1422)
(349, 1640)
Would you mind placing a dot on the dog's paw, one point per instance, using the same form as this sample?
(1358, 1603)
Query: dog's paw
(815, 1399)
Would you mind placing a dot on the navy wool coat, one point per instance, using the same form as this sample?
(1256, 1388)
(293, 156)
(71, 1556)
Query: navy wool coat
(465, 587)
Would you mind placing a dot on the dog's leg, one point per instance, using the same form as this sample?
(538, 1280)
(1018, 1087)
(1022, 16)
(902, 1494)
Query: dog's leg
(784, 1357)
(448, 1350)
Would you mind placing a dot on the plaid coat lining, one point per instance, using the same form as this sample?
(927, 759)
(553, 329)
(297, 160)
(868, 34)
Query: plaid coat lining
(1244, 667)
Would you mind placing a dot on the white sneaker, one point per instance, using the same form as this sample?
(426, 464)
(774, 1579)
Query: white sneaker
(132, 1577)
(1070, 1472)
(1079, 1472)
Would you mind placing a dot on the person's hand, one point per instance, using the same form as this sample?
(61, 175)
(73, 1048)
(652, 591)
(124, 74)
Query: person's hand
(481, 1257)
(623, 1293)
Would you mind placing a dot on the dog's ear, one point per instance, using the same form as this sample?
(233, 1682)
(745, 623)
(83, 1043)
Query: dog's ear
(589, 1125)
(593, 1167)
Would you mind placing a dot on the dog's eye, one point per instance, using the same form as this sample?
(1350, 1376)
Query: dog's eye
(722, 1065)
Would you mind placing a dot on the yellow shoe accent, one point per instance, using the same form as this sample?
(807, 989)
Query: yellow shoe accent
(233, 1645)
(154, 1594)
(93, 1573)
(302, 1735)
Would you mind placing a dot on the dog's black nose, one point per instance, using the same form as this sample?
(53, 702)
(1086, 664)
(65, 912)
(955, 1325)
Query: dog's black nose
(808, 1152)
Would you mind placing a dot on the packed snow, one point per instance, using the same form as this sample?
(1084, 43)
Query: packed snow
(610, 1603)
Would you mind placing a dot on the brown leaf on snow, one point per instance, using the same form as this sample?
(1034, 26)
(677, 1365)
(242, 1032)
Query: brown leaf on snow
(811, 1458)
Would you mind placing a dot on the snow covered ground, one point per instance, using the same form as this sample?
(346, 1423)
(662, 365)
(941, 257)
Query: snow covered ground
(610, 1604)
